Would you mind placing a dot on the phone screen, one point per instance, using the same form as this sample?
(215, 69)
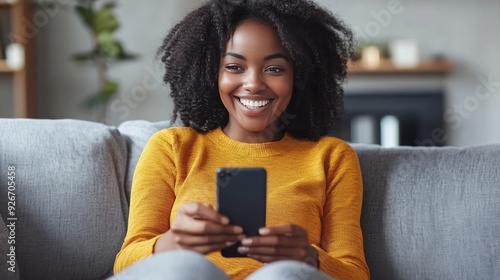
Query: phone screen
(241, 196)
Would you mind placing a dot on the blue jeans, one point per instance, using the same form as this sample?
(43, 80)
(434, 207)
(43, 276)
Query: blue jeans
(188, 265)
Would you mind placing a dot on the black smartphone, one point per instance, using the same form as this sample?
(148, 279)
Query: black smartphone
(241, 196)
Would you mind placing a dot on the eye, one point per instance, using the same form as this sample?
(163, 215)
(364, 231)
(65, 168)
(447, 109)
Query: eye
(233, 68)
(275, 70)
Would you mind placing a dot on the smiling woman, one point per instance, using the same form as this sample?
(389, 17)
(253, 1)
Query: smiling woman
(257, 84)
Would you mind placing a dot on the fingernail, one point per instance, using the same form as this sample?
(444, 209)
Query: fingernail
(246, 241)
(225, 220)
(242, 250)
(264, 231)
(230, 243)
(238, 229)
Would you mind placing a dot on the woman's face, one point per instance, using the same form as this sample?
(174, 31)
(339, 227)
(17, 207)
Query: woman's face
(255, 82)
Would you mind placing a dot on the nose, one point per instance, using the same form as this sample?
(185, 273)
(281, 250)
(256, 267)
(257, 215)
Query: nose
(253, 81)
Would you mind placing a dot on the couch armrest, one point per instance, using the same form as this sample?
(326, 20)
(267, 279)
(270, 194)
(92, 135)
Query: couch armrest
(70, 201)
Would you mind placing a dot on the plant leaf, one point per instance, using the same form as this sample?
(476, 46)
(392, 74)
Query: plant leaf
(123, 55)
(126, 56)
(109, 88)
(86, 14)
(105, 21)
(107, 45)
(80, 57)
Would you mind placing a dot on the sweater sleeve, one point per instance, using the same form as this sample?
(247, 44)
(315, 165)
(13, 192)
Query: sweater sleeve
(341, 252)
(151, 200)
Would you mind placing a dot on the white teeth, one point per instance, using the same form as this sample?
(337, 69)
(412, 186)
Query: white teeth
(254, 104)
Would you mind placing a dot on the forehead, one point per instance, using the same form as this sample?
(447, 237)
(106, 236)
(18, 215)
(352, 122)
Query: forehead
(252, 35)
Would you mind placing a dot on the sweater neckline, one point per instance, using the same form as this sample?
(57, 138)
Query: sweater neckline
(224, 142)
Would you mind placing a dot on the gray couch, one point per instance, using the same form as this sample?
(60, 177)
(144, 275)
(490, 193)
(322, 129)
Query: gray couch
(428, 213)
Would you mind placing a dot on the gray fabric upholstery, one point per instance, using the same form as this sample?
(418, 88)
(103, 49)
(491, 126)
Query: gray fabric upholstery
(137, 134)
(431, 213)
(428, 213)
(70, 200)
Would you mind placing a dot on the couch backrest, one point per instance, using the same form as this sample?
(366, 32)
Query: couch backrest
(70, 203)
(431, 213)
(136, 135)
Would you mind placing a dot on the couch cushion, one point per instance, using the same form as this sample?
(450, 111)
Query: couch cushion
(137, 134)
(70, 201)
(431, 213)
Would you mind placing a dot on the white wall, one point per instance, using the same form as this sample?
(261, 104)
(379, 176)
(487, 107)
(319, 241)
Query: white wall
(463, 30)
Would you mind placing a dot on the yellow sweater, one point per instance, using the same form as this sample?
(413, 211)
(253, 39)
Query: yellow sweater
(316, 185)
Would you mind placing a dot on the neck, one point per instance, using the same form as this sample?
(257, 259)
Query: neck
(270, 134)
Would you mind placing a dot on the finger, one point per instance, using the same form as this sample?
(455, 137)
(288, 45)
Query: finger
(278, 252)
(284, 252)
(275, 241)
(202, 212)
(191, 226)
(287, 229)
(186, 240)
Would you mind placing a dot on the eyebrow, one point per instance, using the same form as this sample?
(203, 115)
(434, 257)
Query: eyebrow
(269, 57)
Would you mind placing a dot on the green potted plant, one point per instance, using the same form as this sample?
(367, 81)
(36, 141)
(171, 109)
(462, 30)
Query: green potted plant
(102, 24)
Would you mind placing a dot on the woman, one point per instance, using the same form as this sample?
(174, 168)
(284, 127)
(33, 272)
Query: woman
(257, 83)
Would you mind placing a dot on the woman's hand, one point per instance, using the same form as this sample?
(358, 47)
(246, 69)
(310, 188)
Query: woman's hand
(198, 227)
(283, 242)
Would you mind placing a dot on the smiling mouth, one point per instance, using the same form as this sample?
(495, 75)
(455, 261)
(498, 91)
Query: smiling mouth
(254, 104)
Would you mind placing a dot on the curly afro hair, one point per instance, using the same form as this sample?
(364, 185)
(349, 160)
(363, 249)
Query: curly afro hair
(318, 43)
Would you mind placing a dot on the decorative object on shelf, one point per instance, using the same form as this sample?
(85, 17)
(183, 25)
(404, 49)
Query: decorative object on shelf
(404, 53)
(14, 54)
(363, 129)
(371, 56)
(389, 131)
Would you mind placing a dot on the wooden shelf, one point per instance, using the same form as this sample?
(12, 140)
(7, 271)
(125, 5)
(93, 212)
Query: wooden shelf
(4, 3)
(4, 68)
(23, 80)
(387, 67)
